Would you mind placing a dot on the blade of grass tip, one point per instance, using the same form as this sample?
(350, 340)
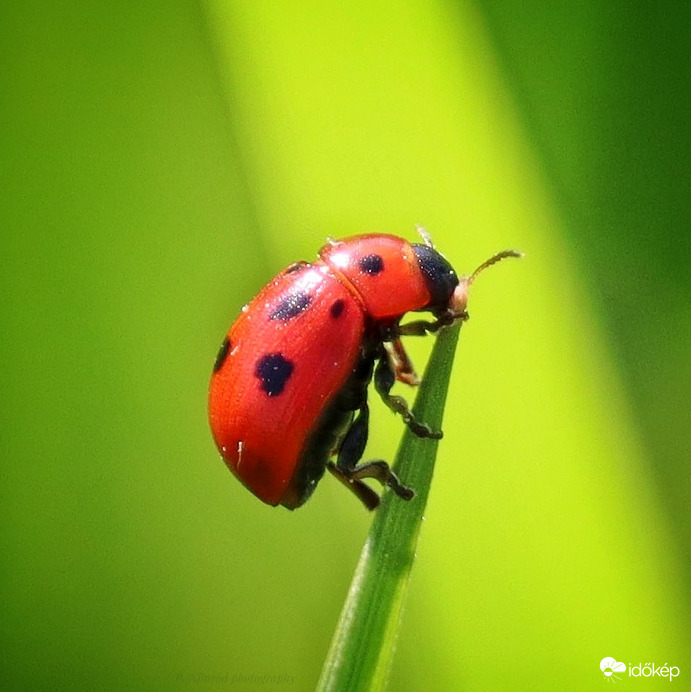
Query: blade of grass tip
(362, 648)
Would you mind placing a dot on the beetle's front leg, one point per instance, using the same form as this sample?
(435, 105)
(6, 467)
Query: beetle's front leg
(423, 327)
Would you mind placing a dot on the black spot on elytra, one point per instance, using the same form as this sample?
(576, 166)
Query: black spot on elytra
(291, 305)
(337, 308)
(274, 371)
(222, 354)
(371, 264)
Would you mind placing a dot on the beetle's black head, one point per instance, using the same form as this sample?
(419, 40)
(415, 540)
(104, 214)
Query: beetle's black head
(439, 275)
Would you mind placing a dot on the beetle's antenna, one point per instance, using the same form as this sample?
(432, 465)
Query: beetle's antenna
(493, 260)
(426, 238)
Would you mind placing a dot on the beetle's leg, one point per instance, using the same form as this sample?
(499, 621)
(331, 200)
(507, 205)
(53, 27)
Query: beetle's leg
(361, 490)
(381, 471)
(401, 363)
(422, 327)
(384, 378)
(347, 470)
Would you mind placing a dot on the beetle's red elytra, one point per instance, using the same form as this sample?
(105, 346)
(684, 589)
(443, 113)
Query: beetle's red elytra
(288, 392)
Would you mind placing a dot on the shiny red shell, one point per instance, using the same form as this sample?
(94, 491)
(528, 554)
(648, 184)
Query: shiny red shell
(293, 348)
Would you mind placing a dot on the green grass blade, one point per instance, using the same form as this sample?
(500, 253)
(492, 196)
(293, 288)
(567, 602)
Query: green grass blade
(363, 645)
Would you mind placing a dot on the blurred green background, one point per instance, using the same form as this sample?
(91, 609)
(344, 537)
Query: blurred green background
(160, 162)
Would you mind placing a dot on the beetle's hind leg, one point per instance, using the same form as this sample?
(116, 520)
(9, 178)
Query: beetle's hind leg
(377, 469)
(384, 379)
(350, 473)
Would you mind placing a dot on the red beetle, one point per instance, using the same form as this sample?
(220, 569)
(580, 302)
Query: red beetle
(289, 385)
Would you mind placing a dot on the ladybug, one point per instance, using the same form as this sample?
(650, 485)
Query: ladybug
(289, 386)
